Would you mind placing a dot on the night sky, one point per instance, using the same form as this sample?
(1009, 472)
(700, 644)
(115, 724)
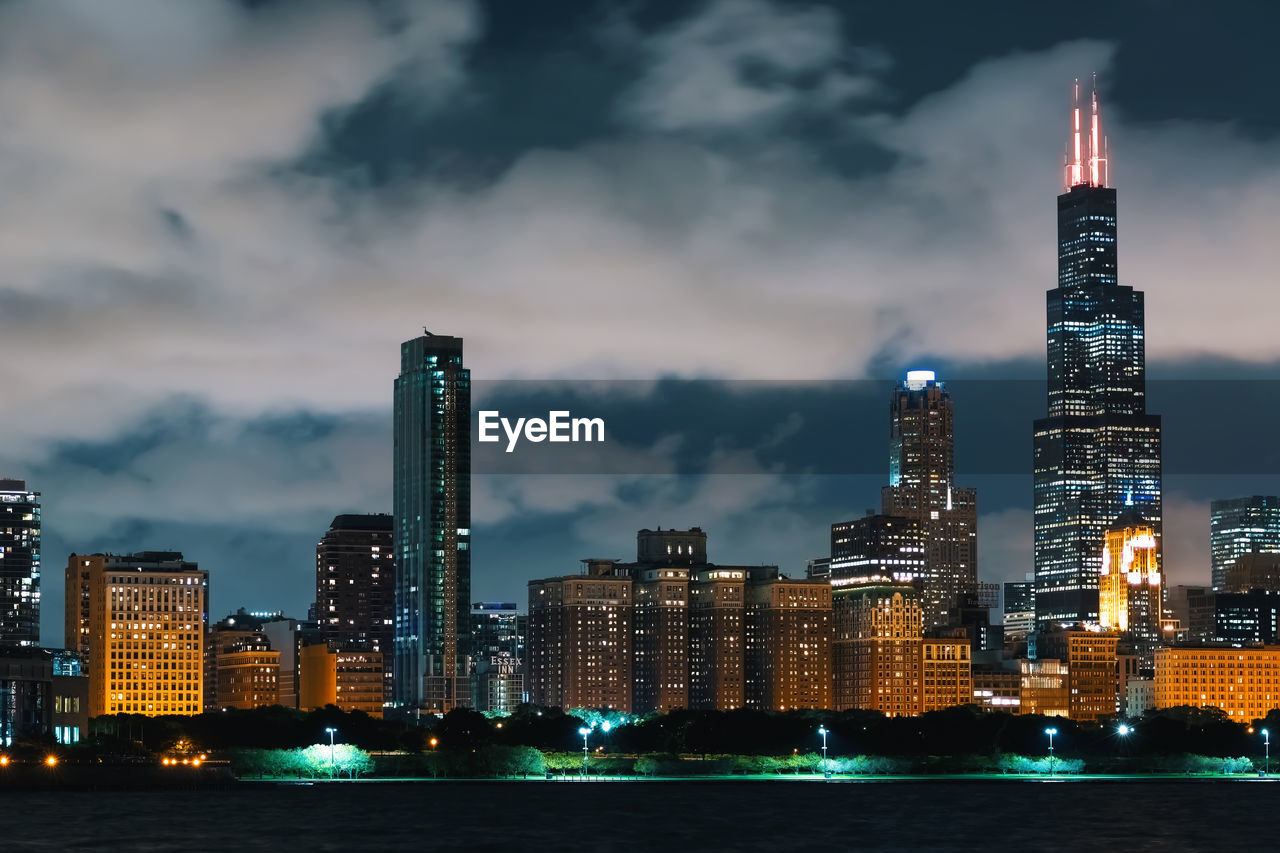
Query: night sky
(220, 219)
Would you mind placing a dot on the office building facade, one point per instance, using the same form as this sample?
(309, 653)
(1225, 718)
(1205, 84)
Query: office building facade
(1098, 449)
(1131, 587)
(355, 586)
(1243, 683)
(147, 615)
(19, 564)
(788, 644)
(1242, 526)
(432, 496)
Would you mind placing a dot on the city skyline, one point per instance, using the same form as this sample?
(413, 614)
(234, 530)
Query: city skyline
(279, 448)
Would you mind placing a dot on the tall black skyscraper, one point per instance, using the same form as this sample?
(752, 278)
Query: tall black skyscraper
(1098, 448)
(19, 564)
(432, 496)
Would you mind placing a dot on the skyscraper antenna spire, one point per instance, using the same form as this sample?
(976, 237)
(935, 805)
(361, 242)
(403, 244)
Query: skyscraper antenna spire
(1086, 161)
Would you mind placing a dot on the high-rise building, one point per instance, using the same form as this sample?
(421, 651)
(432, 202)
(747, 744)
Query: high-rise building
(432, 495)
(882, 545)
(144, 630)
(1098, 448)
(19, 564)
(1240, 526)
(717, 638)
(498, 632)
(247, 672)
(876, 647)
(355, 586)
(922, 488)
(581, 638)
(44, 695)
(1131, 589)
(788, 644)
(662, 637)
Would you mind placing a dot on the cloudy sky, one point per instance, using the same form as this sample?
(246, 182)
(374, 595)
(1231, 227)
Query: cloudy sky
(219, 219)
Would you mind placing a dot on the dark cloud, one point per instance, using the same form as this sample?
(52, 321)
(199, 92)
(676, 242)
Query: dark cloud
(232, 213)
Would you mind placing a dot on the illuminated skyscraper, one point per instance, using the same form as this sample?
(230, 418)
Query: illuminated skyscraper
(922, 488)
(19, 564)
(1242, 526)
(432, 495)
(1098, 449)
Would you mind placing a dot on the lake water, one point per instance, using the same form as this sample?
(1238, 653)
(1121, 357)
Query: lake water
(996, 815)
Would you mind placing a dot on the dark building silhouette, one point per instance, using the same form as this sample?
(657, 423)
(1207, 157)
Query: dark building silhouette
(1247, 618)
(432, 495)
(1098, 447)
(19, 564)
(874, 545)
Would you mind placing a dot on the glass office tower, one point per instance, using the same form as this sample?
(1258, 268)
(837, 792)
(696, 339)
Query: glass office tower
(1242, 526)
(432, 497)
(19, 564)
(1098, 449)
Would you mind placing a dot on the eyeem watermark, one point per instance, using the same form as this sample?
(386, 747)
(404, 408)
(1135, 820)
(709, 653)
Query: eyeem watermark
(559, 426)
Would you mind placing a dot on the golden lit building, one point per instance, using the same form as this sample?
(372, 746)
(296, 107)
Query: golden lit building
(247, 673)
(348, 678)
(876, 648)
(946, 672)
(788, 644)
(1131, 585)
(580, 638)
(142, 618)
(1091, 659)
(1044, 687)
(1243, 682)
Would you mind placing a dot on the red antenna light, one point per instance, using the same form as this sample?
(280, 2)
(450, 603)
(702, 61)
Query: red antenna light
(1095, 157)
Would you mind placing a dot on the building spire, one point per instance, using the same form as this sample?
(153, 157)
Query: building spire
(1086, 161)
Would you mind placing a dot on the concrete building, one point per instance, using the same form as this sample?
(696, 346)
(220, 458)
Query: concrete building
(717, 638)
(996, 688)
(1131, 587)
(1247, 618)
(19, 564)
(142, 618)
(1243, 682)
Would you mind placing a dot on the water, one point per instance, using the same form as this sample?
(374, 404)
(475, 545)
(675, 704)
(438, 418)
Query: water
(1000, 815)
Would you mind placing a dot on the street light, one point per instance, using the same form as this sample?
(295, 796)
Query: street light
(1051, 733)
(1124, 730)
(1266, 745)
(332, 764)
(584, 731)
(822, 730)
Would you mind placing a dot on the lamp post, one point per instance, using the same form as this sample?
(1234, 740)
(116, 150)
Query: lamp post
(1051, 733)
(822, 730)
(584, 731)
(1266, 745)
(332, 763)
